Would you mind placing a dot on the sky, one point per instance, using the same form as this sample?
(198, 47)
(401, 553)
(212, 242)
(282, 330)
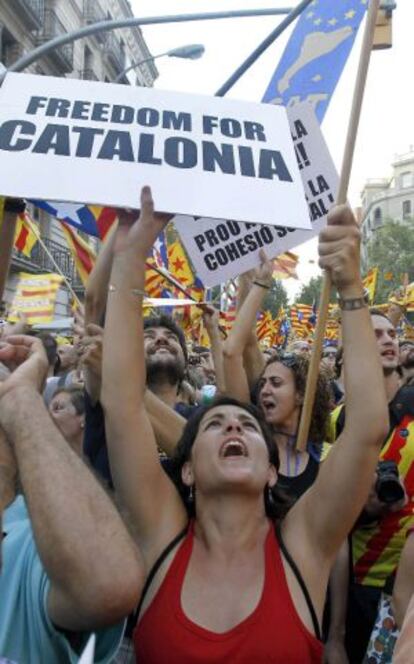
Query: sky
(386, 125)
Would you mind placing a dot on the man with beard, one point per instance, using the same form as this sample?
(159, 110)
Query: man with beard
(407, 361)
(378, 538)
(166, 361)
(166, 364)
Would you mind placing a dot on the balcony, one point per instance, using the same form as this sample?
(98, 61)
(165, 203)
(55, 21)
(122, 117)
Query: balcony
(40, 262)
(53, 27)
(88, 75)
(30, 12)
(93, 13)
(114, 52)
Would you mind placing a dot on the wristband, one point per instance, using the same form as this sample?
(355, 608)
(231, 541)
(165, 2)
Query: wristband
(134, 291)
(14, 205)
(257, 283)
(354, 303)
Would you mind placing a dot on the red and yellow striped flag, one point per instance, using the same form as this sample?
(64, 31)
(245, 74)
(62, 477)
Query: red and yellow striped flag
(25, 236)
(35, 297)
(370, 283)
(82, 254)
(178, 264)
(285, 266)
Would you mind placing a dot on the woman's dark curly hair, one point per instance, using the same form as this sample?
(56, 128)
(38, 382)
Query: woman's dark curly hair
(276, 506)
(299, 366)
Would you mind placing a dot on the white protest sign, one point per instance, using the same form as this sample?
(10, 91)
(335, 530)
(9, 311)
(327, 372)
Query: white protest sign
(221, 250)
(98, 143)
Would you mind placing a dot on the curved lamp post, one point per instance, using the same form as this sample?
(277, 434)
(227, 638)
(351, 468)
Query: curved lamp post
(190, 52)
(104, 26)
(107, 25)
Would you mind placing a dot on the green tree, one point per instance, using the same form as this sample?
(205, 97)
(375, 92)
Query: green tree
(311, 292)
(275, 298)
(392, 251)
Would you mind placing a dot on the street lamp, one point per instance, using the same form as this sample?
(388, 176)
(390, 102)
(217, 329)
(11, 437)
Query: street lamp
(190, 52)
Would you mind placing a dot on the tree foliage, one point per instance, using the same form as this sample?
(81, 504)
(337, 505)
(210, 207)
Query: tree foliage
(392, 251)
(275, 298)
(311, 292)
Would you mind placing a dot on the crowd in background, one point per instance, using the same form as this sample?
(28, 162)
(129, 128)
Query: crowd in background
(153, 491)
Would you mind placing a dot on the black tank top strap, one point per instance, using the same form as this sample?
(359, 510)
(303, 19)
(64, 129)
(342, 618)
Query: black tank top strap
(301, 582)
(133, 618)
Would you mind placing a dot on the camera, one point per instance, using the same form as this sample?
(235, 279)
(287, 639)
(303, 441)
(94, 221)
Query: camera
(388, 486)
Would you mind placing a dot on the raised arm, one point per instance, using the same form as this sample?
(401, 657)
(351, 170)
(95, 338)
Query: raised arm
(235, 375)
(327, 512)
(253, 360)
(75, 523)
(167, 425)
(97, 286)
(150, 497)
(8, 477)
(211, 322)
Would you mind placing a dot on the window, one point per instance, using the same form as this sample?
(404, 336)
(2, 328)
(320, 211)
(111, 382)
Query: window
(377, 217)
(406, 180)
(406, 209)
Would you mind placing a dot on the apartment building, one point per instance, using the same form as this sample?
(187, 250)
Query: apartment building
(24, 25)
(389, 198)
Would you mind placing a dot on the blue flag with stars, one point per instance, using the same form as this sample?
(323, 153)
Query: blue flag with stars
(316, 53)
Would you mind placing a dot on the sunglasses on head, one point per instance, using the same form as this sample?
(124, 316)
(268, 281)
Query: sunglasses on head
(289, 360)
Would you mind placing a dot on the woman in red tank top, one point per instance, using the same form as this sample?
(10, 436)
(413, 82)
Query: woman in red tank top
(234, 590)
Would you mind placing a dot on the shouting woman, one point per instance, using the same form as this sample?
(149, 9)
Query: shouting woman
(236, 581)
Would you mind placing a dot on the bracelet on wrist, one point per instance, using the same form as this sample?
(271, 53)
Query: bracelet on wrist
(14, 205)
(134, 291)
(354, 303)
(258, 283)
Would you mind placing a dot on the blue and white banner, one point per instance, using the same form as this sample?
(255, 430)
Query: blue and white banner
(316, 53)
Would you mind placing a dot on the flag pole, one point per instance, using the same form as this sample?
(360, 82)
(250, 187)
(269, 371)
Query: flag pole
(340, 199)
(172, 280)
(46, 250)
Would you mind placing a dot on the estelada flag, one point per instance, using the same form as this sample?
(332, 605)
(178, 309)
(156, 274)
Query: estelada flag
(82, 254)
(93, 220)
(25, 237)
(178, 264)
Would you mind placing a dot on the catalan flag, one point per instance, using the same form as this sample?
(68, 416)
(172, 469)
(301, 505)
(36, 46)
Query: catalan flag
(285, 266)
(82, 254)
(370, 283)
(154, 282)
(263, 325)
(25, 237)
(35, 297)
(93, 220)
(302, 318)
(179, 265)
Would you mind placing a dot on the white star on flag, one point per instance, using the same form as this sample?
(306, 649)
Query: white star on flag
(67, 210)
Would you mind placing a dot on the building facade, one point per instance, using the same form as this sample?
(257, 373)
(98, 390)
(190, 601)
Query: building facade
(389, 198)
(24, 25)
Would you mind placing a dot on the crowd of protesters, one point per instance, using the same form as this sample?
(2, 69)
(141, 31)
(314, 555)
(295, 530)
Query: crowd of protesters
(152, 491)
